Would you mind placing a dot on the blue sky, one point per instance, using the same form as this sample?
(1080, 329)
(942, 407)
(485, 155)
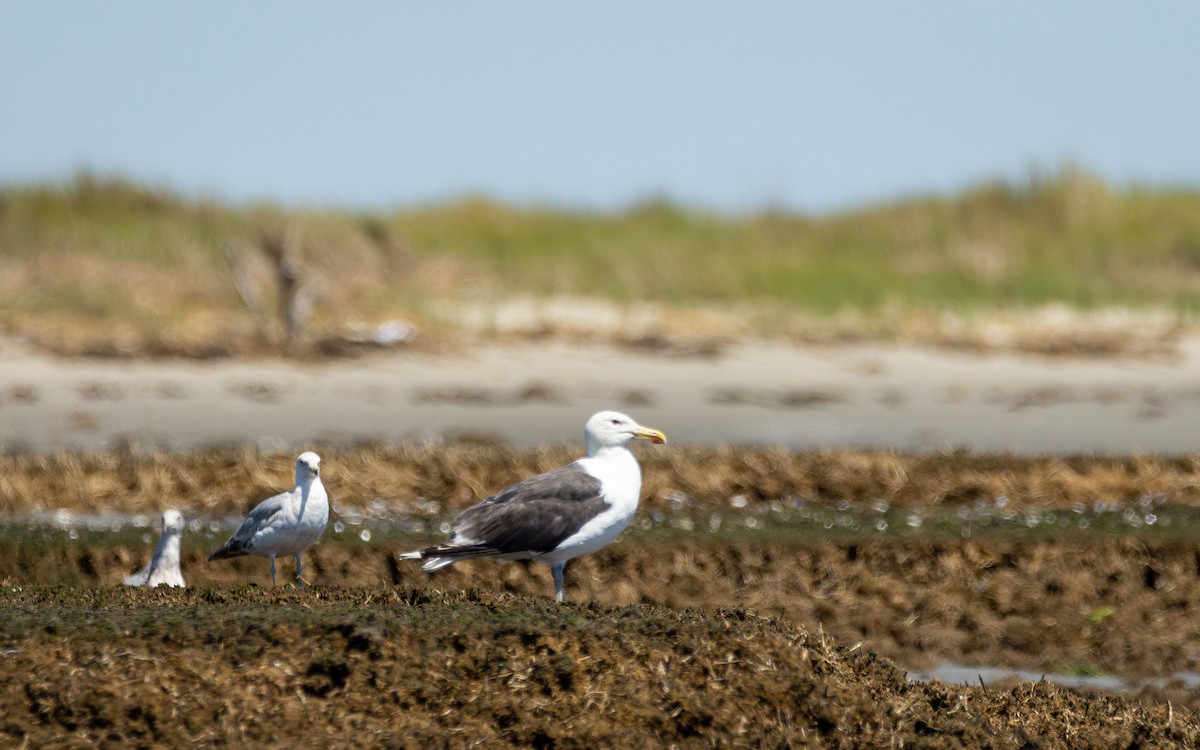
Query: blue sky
(725, 106)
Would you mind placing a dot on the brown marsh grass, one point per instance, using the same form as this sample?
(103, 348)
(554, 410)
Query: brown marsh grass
(454, 475)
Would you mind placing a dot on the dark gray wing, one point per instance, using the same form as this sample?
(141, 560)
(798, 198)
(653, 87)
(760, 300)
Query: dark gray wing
(533, 515)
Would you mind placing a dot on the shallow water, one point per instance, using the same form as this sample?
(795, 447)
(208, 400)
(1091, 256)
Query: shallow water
(1149, 514)
(959, 674)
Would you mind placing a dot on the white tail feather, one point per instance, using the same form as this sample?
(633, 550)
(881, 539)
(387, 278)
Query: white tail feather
(437, 563)
(431, 563)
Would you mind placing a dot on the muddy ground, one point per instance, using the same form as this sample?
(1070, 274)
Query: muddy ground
(762, 598)
(395, 667)
(1120, 605)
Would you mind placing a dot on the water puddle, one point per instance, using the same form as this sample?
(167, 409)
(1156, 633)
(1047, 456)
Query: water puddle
(957, 674)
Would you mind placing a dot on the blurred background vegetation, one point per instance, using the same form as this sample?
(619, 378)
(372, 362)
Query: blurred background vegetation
(103, 265)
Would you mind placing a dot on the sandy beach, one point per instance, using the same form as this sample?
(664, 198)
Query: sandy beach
(531, 392)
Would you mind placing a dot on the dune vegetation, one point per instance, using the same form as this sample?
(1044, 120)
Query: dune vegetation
(108, 266)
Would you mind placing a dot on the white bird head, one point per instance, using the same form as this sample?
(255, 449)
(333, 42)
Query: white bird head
(609, 429)
(308, 467)
(172, 521)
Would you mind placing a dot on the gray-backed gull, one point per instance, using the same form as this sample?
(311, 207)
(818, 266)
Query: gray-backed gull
(286, 524)
(163, 568)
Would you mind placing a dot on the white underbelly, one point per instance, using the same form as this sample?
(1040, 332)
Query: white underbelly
(592, 535)
(291, 536)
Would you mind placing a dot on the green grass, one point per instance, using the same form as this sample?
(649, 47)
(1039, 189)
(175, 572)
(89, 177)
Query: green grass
(108, 253)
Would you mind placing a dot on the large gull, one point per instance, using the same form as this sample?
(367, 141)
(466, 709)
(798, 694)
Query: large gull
(557, 516)
(163, 568)
(286, 524)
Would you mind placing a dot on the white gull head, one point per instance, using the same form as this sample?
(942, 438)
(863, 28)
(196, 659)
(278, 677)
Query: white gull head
(172, 521)
(612, 429)
(308, 468)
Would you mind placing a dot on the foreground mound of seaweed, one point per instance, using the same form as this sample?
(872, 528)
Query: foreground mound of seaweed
(409, 668)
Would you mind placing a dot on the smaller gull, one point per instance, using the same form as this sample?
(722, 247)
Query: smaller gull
(557, 516)
(286, 524)
(163, 568)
